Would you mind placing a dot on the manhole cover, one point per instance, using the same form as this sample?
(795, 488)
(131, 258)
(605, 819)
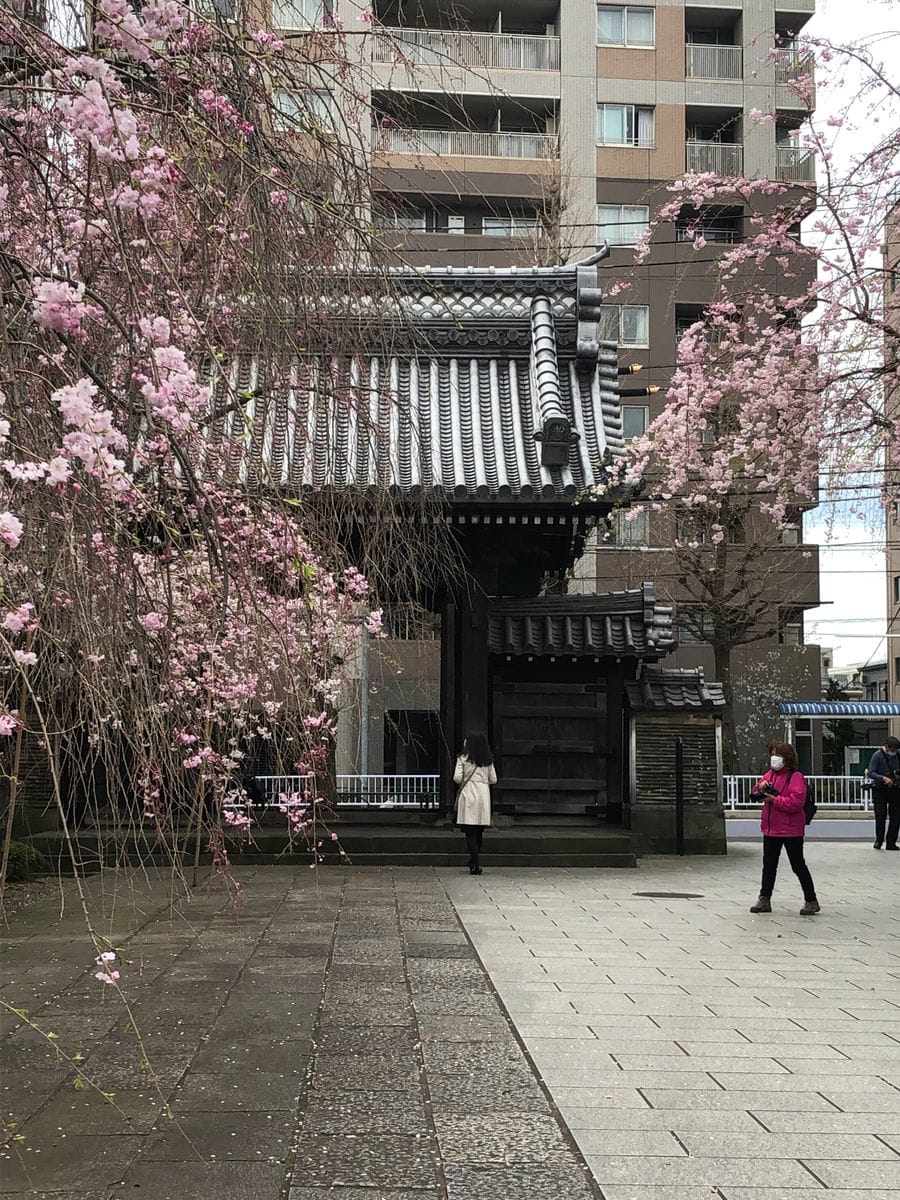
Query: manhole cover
(670, 895)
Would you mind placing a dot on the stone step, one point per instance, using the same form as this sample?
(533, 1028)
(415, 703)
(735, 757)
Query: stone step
(416, 845)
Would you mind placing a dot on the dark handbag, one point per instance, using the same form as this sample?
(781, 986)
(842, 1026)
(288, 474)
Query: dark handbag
(810, 808)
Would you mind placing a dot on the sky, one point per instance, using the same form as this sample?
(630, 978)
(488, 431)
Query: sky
(853, 614)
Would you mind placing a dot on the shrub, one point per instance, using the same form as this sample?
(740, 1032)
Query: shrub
(24, 862)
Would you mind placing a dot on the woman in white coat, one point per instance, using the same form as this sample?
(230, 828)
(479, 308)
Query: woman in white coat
(474, 773)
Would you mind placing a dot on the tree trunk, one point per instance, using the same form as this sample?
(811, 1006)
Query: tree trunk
(722, 654)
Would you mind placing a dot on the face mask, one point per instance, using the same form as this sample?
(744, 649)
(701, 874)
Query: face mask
(776, 762)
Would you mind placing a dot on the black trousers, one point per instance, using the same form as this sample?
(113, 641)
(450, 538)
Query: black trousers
(474, 838)
(772, 853)
(887, 814)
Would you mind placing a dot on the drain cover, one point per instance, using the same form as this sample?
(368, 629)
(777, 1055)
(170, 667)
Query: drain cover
(670, 895)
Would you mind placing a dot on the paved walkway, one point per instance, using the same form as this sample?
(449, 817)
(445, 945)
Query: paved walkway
(696, 1050)
(337, 1037)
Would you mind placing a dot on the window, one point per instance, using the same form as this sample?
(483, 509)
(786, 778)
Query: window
(413, 220)
(897, 670)
(631, 529)
(690, 529)
(622, 224)
(790, 627)
(628, 324)
(624, 125)
(625, 25)
(897, 589)
(298, 14)
(303, 110)
(225, 9)
(510, 226)
(635, 419)
(792, 534)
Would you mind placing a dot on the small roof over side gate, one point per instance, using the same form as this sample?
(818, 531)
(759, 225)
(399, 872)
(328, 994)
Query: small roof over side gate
(671, 689)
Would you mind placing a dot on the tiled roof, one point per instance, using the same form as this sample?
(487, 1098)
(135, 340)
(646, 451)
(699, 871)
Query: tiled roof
(614, 625)
(496, 385)
(667, 689)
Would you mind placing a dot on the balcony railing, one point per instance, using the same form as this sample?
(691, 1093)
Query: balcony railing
(452, 48)
(716, 158)
(791, 65)
(710, 233)
(469, 142)
(796, 164)
(713, 62)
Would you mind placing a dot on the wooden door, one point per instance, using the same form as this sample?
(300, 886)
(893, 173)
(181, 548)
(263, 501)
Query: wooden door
(550, 744)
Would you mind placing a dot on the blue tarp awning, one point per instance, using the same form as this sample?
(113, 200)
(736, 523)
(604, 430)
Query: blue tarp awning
(871, 709)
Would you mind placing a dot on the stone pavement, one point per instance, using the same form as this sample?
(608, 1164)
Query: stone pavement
(694, 1049)
(335, 1037)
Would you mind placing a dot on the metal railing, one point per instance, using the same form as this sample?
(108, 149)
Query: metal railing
(353, 791)
(469, 142)
(388, 791)
(713, 62)
(464, 48)
(716, 158)
(709, 233)
(830, 791)
(791, 65)
(796, 164)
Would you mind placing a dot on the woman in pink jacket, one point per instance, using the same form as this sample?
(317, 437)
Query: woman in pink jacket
(782, 791)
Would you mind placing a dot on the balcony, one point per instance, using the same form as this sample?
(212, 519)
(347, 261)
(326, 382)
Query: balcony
(791, 65)
(451, 48)
(713, 62)
(469, 143)
(714, 158)
(796, 164)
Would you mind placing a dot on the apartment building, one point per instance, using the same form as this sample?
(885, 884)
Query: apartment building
(531, 132)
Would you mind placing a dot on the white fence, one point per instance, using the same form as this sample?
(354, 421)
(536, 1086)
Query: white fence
(473, 143)
(447, 47)
(830, 791)
(714, 62)
(356, 791)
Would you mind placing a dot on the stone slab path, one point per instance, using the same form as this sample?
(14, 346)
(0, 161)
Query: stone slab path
(696, 1050)
(398, 1034)
(333, 1036)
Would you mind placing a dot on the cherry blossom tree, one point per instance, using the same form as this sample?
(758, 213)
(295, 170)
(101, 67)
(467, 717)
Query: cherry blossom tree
(178, 197)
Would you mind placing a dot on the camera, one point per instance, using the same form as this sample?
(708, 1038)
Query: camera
(762, 793)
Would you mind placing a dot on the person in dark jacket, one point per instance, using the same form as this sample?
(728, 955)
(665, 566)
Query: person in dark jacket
(884, 772)
(782, 792)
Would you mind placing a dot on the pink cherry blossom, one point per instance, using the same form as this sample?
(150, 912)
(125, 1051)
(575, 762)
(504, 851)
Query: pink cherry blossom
(11, 529)
(19, 620)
